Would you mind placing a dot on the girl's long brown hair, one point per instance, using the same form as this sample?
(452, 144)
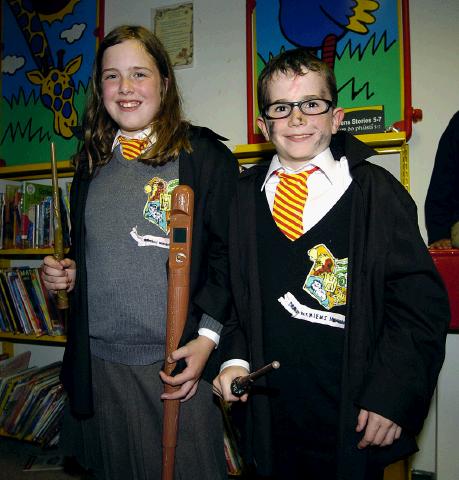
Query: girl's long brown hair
(169, 127)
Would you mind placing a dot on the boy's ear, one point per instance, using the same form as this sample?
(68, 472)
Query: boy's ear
(261, 122)
(338, 116)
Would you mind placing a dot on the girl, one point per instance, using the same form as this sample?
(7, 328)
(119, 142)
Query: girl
(116, 269)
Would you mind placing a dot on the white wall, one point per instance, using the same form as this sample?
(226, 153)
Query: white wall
(435, 84)
(213, 89)
(448, 413)
(435, 74)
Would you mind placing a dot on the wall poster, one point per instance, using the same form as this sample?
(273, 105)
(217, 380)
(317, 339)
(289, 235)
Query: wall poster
(366, 42)
(48, 48)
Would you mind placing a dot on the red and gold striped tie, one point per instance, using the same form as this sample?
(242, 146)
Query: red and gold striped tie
(132, 147)
(289, 201)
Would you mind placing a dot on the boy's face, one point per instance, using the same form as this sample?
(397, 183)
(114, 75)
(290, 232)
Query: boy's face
(299, 137)
(131, 86)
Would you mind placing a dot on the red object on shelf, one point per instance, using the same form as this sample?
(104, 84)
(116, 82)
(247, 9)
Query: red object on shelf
(447, 263)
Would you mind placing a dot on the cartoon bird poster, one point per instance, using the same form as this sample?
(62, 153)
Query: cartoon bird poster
(47, 53)
(362, 40)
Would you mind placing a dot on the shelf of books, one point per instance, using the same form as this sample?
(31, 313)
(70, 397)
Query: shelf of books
(26, 215)
(31, 397)
(31, 400)
(27, 312)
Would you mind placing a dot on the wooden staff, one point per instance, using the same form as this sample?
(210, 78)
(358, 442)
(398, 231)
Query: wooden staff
(62, 298)
(181, 224)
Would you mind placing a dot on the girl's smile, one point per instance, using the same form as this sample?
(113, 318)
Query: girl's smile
(131, 86)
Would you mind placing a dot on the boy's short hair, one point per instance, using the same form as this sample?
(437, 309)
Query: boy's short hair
(294, 61)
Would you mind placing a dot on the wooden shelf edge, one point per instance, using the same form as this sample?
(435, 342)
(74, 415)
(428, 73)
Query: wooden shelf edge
(23, 338)
(256, 152)
(18, 438)
(8, 435)
(35, 170)
(28, 251)
(383, 140)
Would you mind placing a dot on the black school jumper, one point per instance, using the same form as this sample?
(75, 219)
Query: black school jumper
(304, 393)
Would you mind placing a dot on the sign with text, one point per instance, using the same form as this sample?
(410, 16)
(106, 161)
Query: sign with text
(363, 120)
(174, 27)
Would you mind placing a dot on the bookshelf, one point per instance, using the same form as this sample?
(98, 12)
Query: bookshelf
(8, 257)
(15, 343)
(15, 256)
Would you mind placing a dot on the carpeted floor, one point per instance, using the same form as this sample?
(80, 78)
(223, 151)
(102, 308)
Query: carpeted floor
(14, 455)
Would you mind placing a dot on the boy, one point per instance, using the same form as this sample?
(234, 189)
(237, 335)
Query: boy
(330, 277)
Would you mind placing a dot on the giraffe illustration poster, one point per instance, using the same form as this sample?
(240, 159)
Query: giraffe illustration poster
(48, 48)
(362, 40)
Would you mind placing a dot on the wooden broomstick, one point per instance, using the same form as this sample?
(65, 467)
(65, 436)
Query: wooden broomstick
(181, 224)
(62, 299)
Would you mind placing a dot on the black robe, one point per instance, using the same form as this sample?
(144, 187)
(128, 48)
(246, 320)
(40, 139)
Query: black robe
(396, 321)
(212, 171)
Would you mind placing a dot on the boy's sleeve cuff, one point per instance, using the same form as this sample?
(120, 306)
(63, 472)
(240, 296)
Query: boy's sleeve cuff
(205, 332)
(237, 362)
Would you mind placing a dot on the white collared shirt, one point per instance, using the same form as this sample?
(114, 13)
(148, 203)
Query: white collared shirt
(325, 186)
(144, 134)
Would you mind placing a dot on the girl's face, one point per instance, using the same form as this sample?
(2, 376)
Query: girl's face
(131, 86)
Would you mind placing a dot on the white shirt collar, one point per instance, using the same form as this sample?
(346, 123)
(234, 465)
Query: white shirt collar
(146, 133)
(325, 161)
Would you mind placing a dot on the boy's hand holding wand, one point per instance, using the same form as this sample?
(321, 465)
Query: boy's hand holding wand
(233, 384)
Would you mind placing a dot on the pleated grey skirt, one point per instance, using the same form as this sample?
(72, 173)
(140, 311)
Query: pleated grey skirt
(123, 441)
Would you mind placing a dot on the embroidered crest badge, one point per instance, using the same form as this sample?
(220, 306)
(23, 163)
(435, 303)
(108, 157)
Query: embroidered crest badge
(157, 209)
(327, 278)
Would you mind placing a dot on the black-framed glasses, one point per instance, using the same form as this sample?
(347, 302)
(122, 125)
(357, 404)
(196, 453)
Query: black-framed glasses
(315, 106)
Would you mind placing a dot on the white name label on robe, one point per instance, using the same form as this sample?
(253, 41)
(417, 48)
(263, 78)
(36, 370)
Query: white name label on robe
(303, 312)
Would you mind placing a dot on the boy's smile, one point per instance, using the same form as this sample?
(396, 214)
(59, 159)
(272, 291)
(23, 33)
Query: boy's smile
(299, 137)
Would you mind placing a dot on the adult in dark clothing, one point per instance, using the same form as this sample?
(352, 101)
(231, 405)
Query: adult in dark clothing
(353, 307)
(137, 148)
(442, 201)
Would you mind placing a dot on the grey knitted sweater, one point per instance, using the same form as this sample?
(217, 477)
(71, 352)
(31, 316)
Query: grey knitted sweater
(126, 255)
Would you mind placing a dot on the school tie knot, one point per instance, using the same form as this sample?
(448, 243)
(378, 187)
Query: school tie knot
(132, 147)
(289, 201)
